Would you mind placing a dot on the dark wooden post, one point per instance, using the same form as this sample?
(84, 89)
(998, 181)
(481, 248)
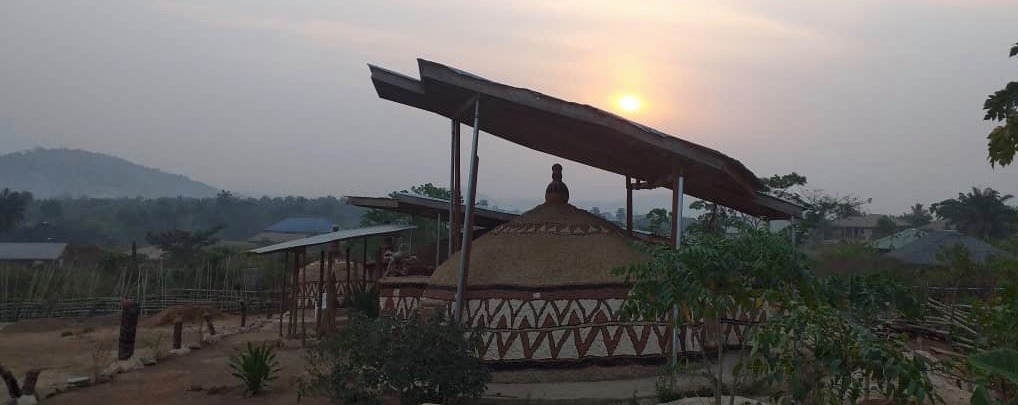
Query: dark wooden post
(282, 293)
(629, 205)
(294, 289)
(128, 329)
(243, 314)
(208, 323)
(349, 269)
(321, 288)
(178, 332)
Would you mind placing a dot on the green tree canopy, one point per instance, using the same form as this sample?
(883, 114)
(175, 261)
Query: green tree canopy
(917, 216)
(12, 208)
(983, 213)
(183, 247)
(1001, 106)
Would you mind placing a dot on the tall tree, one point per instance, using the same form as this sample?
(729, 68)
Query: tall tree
(983, 214)
(183, 247)
(1002, 106)
(51, 210)
(885, 227)
(12, 208)
(659, 220)
(917, 216)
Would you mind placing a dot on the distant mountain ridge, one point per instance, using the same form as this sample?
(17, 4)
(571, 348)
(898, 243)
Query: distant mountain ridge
(75, 172)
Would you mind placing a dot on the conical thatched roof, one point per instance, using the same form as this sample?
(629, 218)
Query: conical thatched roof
(554, 244)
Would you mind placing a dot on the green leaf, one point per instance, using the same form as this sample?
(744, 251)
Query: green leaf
(1001, 362)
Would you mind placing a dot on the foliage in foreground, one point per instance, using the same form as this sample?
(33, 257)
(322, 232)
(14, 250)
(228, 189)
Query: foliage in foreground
(364, 300)
(818, 346)
(255, 366)
(422, 359)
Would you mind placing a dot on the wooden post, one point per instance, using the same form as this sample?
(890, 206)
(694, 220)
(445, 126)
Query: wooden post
(208, 323)
(178, 331)
(364, 265)
(455, 231)
(321, 288)
(329, 318)
(349, 269)
(128, 329)
(302, 303)
(629, 205)
(294, 290)
(282, 292)
(243, 314)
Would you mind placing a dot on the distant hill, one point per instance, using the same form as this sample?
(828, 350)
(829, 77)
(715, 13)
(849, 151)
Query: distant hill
(74, 172)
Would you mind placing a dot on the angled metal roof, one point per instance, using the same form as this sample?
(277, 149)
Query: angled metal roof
(301, 225)
(583, 134)
(429, 207)
(31, 251)
(924, 249)
(333, 237)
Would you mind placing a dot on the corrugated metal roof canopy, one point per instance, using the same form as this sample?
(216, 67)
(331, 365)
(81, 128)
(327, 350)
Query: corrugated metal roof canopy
(583, 134)
(31, 251)
(334, 237)
(429, 207)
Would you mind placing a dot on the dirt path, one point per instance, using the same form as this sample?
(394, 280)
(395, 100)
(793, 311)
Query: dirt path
(171, 381)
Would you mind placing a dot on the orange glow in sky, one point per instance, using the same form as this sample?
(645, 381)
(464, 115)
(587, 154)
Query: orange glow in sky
(629, 103)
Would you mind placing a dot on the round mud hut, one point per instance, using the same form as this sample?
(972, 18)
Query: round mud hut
(541, 287)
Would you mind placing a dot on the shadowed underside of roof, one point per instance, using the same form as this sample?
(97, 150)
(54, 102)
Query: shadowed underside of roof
(583, 134)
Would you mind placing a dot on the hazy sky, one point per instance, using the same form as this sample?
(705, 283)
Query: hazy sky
(878, 98)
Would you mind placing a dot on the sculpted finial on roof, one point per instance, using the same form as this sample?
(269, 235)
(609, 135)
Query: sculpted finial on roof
(557, 191)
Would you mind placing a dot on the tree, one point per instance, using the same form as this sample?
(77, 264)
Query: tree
(822, 208)
(885, 227)
(183, 247)
(12, 208)
(917, 216)
(51, 210)
(660, 220)
(1002, 106)
(982, 213)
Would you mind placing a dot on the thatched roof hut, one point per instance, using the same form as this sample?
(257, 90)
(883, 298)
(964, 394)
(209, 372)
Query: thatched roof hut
(542, 288)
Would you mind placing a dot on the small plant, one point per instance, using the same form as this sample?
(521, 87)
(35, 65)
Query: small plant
(364, 300)
(255, 366)
(101, 354)
(154, 345)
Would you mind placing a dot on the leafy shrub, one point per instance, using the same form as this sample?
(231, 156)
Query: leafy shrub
(422, 359)
(998, 368)
(255, 366)
(364, 300)
(822, 356)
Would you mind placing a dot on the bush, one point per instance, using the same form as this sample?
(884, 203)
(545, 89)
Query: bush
(255, 366)
(822, 356)
(364, 300)
(422, 359)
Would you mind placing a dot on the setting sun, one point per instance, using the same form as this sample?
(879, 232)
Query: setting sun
(629, 103)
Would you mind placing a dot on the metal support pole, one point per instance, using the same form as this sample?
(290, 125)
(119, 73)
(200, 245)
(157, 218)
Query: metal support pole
(438, 237)
(677, 193)
(629, 205)
(468, 220)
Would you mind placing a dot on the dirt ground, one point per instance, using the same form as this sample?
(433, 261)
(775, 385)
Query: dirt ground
(64, 348)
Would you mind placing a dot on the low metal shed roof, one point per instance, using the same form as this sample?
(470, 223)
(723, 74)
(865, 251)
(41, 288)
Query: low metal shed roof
(31, 251)
(429, 207)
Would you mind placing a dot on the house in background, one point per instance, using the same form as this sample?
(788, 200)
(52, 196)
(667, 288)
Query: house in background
(921, 246)
(33, 253)
(293, 228)
(859, 228)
